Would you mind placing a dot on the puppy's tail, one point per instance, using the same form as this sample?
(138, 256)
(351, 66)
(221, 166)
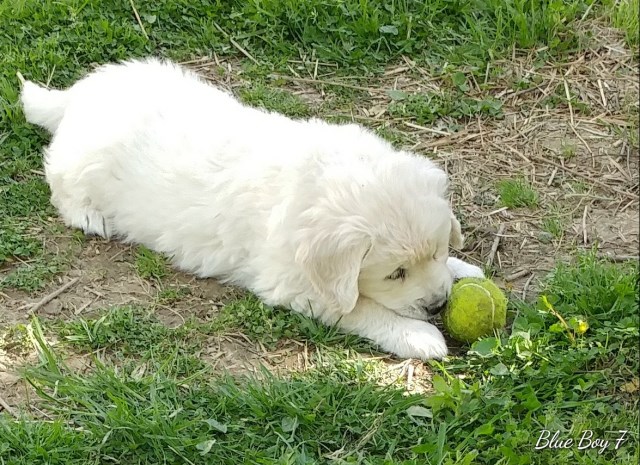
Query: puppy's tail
(42, 106)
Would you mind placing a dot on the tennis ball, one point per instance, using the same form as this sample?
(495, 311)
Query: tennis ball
(476, 307)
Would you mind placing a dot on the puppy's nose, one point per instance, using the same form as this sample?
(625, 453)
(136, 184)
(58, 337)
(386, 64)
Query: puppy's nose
(436, 307)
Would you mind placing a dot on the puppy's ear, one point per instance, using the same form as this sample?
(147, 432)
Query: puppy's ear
(455, 237)
(331, 260)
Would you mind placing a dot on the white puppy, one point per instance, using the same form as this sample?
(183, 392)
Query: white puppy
(326, 219)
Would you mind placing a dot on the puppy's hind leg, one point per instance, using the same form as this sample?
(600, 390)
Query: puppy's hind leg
(74, 205)
(76, 213)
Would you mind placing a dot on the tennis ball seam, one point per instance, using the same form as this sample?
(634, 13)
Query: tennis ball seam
(493, 304)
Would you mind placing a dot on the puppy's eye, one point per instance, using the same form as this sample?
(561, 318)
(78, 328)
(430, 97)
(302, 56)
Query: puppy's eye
(400, 273)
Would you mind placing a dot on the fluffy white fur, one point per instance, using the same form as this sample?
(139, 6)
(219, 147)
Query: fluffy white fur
(329, 220)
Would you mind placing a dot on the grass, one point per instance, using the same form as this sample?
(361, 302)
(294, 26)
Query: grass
(623, 14)
(270, 325)
(149, 264)
(15, 339)
(133, 337)
(16, 240)
(134, 334)
(273, 99)
(22, 239)
(516, 193)
(553, 226)
(397, 138)
(553, 223)
(426, 108)
(131, 329)
(567, 151)
(33, 276)
(487, 407)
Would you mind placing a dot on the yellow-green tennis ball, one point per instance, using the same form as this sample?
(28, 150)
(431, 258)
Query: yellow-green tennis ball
(476, 307)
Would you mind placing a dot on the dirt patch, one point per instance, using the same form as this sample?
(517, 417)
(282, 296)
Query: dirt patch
(102, 275)
(15, 352)
(237, 355)
(18, 349)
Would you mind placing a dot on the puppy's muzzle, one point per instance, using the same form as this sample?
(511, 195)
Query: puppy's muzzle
(435, 307)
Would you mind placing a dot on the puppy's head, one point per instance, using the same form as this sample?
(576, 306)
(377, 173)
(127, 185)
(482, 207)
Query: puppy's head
(406, 270)
(385, 236)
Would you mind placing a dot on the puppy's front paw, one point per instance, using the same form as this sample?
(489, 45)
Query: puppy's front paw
(460, 269)
(420, 339)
